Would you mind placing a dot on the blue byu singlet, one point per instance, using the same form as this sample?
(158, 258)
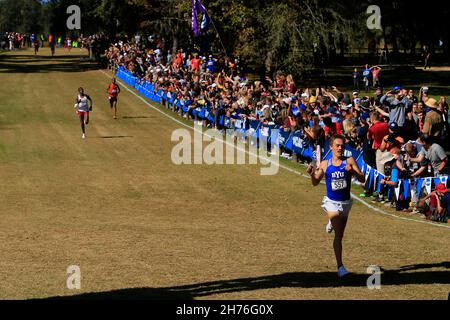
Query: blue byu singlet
(338, 181)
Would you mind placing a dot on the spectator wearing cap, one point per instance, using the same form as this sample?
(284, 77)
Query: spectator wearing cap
(436, 205)
(398, 104)
(393, 142)
(443, 208)
(428, 206)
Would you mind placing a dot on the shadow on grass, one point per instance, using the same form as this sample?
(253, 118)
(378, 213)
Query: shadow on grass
(286, 280)
(45, 64)
(115, 137)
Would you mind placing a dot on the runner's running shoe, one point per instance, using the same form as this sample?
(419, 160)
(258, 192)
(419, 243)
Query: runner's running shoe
(342, 272)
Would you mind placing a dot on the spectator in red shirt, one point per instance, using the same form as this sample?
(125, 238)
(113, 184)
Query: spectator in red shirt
(376, 76)
(179, 58)
(377, 132)
(195, 64)
(331, 128)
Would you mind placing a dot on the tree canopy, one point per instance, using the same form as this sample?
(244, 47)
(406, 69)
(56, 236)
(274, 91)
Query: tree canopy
(272, 35)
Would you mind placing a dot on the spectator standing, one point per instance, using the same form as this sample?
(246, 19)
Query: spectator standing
(355, 76)
(377, 132)
(436, 155)
(366, 75)
(426, 54)
(376, 76)
(397, 104)
(434, 122)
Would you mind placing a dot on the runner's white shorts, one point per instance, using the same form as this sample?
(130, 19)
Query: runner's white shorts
(342, 207)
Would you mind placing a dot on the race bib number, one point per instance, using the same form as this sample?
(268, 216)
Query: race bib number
(338, 184)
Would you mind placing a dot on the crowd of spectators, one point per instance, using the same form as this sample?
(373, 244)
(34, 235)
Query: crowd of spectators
(403, 134)
(95, 44)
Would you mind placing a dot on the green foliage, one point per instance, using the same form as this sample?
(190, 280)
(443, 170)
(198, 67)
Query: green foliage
(20, 15)
(288, 35)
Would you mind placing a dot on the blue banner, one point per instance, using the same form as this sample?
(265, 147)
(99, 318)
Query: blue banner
(406, 190)
(297, 142)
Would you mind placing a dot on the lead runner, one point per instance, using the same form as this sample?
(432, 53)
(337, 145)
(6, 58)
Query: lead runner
(338, 172)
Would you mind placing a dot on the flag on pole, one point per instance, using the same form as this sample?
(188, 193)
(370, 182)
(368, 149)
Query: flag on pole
(198, 7)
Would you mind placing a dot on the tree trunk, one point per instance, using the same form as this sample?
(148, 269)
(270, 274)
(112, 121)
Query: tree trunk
(175, 43)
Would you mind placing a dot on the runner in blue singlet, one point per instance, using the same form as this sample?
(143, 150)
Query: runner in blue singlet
(338, 172)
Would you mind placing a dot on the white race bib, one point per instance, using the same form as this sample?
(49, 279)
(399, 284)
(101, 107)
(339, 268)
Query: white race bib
(338, 184)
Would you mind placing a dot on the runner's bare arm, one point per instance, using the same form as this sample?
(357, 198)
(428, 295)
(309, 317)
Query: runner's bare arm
(352, 166)
(317, 173)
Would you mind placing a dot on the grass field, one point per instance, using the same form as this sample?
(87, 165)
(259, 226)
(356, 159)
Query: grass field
(141, 227)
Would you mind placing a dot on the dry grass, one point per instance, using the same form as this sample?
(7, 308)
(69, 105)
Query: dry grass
(120, 209)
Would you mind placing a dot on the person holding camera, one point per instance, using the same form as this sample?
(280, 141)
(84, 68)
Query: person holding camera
(397, 103)
(416, 169)
(401, 203)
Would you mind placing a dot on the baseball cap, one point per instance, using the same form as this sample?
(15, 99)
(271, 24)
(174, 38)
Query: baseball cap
(357, 101)
(396, 89)
(393, 126)
(355, 93)
(364, 117)
(441, 188)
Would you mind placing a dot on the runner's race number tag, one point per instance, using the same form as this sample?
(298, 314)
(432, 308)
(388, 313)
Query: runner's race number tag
(338, 184)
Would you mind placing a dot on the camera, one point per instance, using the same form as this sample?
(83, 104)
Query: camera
(391, 138)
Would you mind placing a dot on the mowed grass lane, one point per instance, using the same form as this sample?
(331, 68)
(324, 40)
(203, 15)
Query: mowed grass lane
(116, 206)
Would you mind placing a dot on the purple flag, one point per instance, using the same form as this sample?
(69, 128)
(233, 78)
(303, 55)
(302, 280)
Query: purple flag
(197, 7)
(194, 18)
